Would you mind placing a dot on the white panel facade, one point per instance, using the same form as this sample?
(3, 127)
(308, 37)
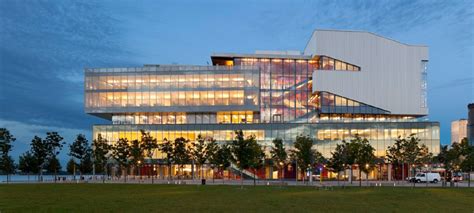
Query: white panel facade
(390, 76)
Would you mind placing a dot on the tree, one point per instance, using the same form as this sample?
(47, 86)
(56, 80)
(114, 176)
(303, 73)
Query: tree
(394, 155)
(7, 164)
(81, 151)
(468, 163)
(459, 158)
(168, 149)
(181, 153)
(71, 166)
(366, 159)
(220, 157)
(149, 144)
(40, 153)
(279, 156)
(101, 154)
(53, 165)
(212, 151)
(257, 156)
(54, 143)
(246, 153)
(303, 153)
(361, 153)
(27, 164)
(137, 155)
(339, 159)
(241, 153)
(413, 153)
(121, 154)
(200, 152)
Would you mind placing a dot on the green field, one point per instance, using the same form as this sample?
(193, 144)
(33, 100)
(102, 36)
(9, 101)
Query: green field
(191, 198)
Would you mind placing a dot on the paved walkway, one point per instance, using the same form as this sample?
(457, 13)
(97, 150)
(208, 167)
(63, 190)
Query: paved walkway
(145, 180)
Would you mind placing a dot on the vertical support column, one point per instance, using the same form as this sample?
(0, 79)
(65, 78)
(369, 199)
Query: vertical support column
(389, 166)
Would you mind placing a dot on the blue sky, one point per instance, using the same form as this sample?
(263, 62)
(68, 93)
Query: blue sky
(44, 46)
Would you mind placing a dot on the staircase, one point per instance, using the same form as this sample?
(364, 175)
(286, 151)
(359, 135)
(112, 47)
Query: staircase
(245, 173)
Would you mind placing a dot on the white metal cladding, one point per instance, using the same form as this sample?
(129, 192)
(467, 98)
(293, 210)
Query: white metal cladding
(390, 76)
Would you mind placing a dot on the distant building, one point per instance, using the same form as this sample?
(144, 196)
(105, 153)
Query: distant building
(458, 130)
(470, 123)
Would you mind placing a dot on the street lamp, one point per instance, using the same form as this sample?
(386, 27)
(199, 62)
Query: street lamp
(139, 172)
(367, 173)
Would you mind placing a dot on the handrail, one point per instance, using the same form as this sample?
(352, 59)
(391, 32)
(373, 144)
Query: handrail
(162, 68)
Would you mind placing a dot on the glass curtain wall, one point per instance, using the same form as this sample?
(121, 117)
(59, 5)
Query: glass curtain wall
(285, 88)
(326, 136)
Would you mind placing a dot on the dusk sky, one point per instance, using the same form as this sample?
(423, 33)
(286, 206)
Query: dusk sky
(45, 46)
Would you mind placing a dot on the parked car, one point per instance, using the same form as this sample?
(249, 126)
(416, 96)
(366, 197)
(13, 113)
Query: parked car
(457, 178)
(431, 177)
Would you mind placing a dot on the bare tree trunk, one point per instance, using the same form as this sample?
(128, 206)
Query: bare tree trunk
(360, 177)
(352, 171)
(403, 171)
(104, 173)
(338, 175)
(367, 178)
(281, 177)
(241, 180)
(254, 177)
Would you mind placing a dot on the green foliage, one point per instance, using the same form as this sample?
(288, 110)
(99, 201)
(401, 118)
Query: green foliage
(121, 152)
(28, 163)
(246, 152)
(101, 151)
(339, 160)
(362, 153)
(53, 165)
(149, 143)
(278, 153)
(71, 166)
(221, 157)
(39, 151)
(54, 143)
(202, 150)
(304, 154)
(181, 153)
(167, 148)
(394, 153)
(199, 150)
(82, 152)
(459, 158)
(7, 164)
(137, 153)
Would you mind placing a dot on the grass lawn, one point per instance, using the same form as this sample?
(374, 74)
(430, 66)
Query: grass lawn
(191, 198)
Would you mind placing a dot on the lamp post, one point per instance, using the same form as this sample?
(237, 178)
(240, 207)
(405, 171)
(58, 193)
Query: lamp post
(222, 173)
(153, 175)
(367, 173)
(139, 172)
(344, 166)
(281, 174)
(309, 172)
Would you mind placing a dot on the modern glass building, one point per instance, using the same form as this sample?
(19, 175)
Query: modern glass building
(344, 83)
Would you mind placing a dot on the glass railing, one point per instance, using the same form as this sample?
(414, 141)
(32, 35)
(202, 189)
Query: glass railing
(161, 68)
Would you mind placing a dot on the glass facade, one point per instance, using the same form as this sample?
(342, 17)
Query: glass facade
(268, 97)
(326, 135)
(171, 89)
(285, 88)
